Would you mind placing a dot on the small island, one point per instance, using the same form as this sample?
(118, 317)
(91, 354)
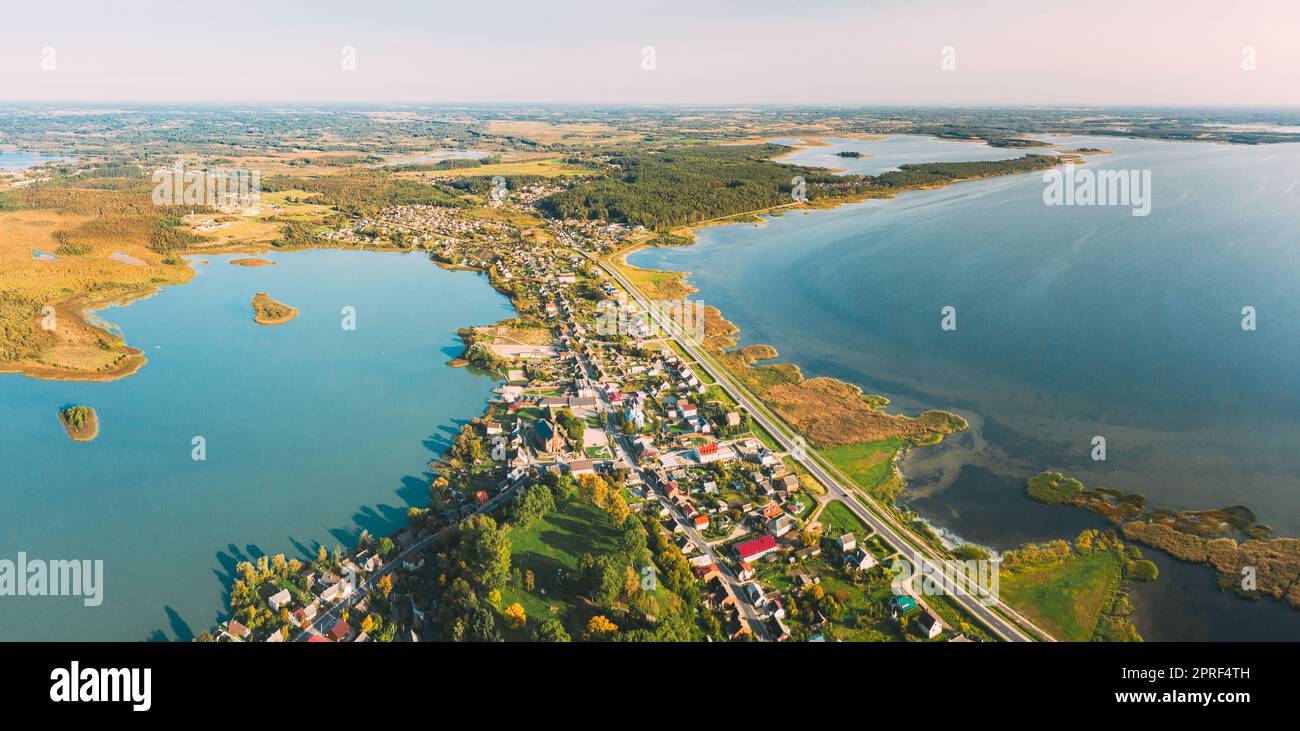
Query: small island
(267, 311)
(251, 262)
(80, 422)
(848, 153)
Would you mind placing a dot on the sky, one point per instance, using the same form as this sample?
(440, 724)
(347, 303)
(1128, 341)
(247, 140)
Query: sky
(705, 52)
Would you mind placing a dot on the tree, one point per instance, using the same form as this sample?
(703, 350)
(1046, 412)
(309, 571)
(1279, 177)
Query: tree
(385, 585)
(572, 426)
(385, 546)
(515, 616)
(599, 627)
(550, 630)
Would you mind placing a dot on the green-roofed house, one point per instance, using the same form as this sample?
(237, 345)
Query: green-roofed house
(902, 604)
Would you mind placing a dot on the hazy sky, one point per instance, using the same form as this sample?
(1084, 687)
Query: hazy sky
(705, 51)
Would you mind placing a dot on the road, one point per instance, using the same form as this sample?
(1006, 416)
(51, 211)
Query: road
(885, 527)
(731, 583)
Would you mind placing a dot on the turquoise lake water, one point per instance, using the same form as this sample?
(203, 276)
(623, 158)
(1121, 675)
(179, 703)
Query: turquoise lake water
(312, 433)
(1072, 322)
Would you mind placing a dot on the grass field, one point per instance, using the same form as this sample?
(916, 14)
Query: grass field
(1067, 597)
(866, 463)
(550, 548)
(838, 520)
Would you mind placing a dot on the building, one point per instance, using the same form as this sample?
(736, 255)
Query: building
(279, 599)
(580, 467)
(707, 452)
(902, 604)
(547, 436)
(859, 559)
(781, 525)
(929, 624)
(752, 550)
(847, 542)
(701, 522)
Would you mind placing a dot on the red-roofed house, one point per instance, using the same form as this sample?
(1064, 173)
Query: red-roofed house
(707, 452)
(340, 630)
(701, 522)
(688, 410)
(756, 549)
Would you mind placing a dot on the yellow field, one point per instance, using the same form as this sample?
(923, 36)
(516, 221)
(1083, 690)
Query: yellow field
(227, 230)
(58, 343)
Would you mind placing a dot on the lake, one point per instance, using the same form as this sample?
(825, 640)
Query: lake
(312, 433)
(1072, 322)
(23, 160)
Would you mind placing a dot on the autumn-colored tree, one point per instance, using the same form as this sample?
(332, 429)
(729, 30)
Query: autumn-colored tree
(515, 616)
(599, 626)
(372, 623)
(385, 585)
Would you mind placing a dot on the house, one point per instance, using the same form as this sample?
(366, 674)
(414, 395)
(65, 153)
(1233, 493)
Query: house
(689, 410)
(338, 591)
(859, 559)
(810, 552)
(582, 467)
(902, 604)
(276, 636)
(304, 615)
(413, 563)
(567, 278)
(701, 522)
(782, 525)
(772, 511)
(547, 436)
(279, 599)
(929, 624)
(706, 453)
(755, 549)
(492, 427)
(340, 630)
(732, 418)
(237, 631)
(746, 571)
(787, 482)
(847, 542)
